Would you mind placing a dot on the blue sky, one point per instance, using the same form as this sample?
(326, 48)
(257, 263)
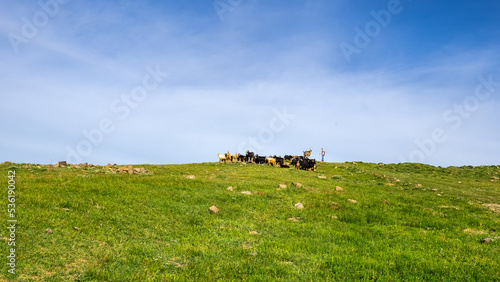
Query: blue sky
(180, 81)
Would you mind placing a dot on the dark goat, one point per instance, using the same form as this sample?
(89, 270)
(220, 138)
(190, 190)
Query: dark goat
(249, 157)
(260, 160)
(308, 164)
(279, 161)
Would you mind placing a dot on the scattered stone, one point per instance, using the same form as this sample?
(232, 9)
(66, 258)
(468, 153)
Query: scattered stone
(493, 207)
(486, 240)
(297, 184)
(352, 201)
(470, 230)
(449, 207)
(246, 192)
(122, 169)
(190, 177)
(321, 176)
(334, 206)
(230, 188)
(48, 230)
(298, 206)
(389, 184)
(253, 233)
(418, 185)
(438, 195)
(338, 188)
(434, 190)
(333, 217)
(61, 164)
(140, 170)
(213, 209)
(76, 228)
(292, 219)
(247, 246)
(282, 186)
(109, 166)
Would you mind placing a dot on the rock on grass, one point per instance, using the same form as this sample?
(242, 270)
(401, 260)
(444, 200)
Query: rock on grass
(298, 206)
(213, 209)
(486, 240)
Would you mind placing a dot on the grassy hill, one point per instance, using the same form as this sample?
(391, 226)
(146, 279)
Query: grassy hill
(388, 222)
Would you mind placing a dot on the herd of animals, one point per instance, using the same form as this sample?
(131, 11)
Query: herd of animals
(299, 162)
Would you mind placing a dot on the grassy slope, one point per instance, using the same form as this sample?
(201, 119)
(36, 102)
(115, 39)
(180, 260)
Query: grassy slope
(157, 227)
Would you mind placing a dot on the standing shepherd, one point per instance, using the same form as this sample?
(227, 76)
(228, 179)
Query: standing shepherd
(323, 154)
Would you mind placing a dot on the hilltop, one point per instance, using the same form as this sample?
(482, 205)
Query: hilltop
(356, 221)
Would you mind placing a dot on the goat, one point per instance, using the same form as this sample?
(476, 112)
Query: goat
(249, 157)
(271, 161)
(308, 164)
(259, 159)
(279, 161)
(241, 158)
(222, 158)
(307, 154)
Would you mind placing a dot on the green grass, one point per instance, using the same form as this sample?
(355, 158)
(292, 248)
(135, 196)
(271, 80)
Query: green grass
(158, 227)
